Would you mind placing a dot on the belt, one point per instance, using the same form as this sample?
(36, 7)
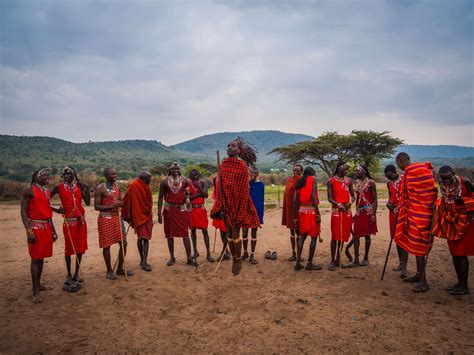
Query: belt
(197, 206)
(73, 219)
(108, 214)
(39, 220)
(167, 204)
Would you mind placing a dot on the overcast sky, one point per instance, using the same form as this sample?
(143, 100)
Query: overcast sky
(171, 71)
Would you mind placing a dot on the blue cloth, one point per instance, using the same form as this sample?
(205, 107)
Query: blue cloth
(257, 193)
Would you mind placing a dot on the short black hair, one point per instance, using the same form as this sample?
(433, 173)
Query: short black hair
(402, 156)
(390, 168)
(341, 163)
(446, 169)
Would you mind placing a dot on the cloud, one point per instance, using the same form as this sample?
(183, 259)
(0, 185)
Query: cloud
(175, 70)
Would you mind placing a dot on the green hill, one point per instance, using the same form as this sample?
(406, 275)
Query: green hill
(20, 156)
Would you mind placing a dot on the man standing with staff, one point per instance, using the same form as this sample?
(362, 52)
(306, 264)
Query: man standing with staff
(108, 200)
(418, 195)
(71, 193)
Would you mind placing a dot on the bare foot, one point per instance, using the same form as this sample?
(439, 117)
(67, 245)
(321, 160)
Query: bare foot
(111, 275)
(421, 287)
(415, 278)
(37, 298)
(237, 266)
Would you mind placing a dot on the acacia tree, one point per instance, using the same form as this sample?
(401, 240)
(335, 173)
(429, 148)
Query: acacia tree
(325, 151)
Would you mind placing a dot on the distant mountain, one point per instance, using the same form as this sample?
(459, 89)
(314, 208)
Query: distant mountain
(437, 151)
(263, 141)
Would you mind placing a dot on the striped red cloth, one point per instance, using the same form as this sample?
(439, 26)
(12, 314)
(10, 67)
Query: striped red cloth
(418, 195)
(237, 206)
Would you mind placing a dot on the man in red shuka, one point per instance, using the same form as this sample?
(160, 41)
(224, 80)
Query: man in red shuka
(341, 197)
(288, 217)
(198, 215)
(308, 222)
(36, 215)
(71, 193)
(233, 200)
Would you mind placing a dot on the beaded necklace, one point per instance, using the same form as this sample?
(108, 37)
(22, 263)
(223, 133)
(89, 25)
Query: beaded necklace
(42, 188)
(451, 191)
(71, 188)
(175, 184)
(362, 186)
(396, 184)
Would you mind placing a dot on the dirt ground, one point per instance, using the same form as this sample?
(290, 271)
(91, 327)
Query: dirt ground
(269, 308)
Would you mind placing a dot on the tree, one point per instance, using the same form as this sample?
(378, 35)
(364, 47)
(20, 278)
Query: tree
(325, 151)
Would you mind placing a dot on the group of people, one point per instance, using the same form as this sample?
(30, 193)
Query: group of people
(416, 215)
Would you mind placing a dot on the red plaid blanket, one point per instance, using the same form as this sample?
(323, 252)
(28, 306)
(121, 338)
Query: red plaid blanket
(235, 204)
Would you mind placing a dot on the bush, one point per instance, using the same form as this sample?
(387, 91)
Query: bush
(11, 190)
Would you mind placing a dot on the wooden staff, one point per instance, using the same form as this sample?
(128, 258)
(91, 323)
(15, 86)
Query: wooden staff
(215, 229)
(72, 243)
(215, 236)
(222, 256)
(123, 247)
(126, 233)
(389, 248)
(340, 247)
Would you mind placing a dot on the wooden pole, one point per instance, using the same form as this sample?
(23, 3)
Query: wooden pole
(72, 243)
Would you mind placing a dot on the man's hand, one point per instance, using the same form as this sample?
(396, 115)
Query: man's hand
(61, 210)
(55, 237)
(118, 204)
(390, 207)
(341, 207)
(347, 206)
(318, 219)
(372, 219)
(30, 237)
(160, 218)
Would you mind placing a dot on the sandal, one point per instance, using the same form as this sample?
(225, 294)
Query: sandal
(273, 256)
(268, 254)
(311, 266)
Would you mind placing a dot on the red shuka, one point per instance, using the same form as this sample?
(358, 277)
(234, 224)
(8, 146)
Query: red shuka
(287, 218)
(217, 222)
(176, 219)
(364, 212)
(452, 222)
(74, 226)
(198, 215)
(341, 220)
(137, 208)
(108, 222)
(39, 213)
(307, 213)
(394, 188)
(237, 206)
(418, 194)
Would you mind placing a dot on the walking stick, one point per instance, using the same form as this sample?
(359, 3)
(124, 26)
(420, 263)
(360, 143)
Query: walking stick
(222, 257)
(340, 247)
(430, 246)
(215, 236)
(126, 233)
(388, 251)
(72, 243)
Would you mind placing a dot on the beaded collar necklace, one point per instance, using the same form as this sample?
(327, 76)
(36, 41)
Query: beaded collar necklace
(175, 184)
(451, 191)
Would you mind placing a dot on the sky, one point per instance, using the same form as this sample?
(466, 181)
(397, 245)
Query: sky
(175, 70)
